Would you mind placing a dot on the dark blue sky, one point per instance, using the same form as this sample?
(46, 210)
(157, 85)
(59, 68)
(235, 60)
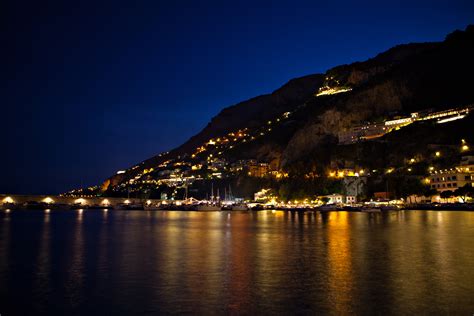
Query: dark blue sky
(94, 88)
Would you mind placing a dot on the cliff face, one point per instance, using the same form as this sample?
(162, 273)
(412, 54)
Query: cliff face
(404, 79)
(250, 113)
(257, 111)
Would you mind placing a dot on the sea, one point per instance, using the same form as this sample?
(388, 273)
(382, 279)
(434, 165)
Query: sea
(119, 262)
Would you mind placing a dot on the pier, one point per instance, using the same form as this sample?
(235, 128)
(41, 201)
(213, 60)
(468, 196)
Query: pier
(7, 201)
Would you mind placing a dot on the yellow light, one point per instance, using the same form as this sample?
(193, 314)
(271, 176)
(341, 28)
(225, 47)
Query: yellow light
(126, 201)
(427, 180)
(409, 169)
(463, 141)
(148, 202)
(437, 154)
(105, 202)
(8, 199)
(340, 174)
(80, 201)
(390, 170)
(361, 171)
(465, 147)
(431, 168)
(47, 210)
(412, 160)
(332, 174)
(48, 200)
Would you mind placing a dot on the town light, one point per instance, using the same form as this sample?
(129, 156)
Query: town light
(126, 201)
(465, 148)
(412, 160)
(105, 202)
(437, 154)
(8, 199)
(48, 200)
(80, 201)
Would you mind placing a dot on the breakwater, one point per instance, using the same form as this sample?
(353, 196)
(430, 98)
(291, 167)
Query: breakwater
(7, 200)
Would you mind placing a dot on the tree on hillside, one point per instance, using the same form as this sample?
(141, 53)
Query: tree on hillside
(406, 187)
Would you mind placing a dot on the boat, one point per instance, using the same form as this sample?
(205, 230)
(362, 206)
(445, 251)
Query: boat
(257, 207)
(8, 206)
(239, 207)
(328, 208)
(129, 206)
(77, 206)
(371, 209)
(97, 207)
(352, 208)
(152, 207)
(388, 208)
(208, 208)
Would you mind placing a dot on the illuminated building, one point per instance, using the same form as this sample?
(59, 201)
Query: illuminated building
(370, 131)
(258, 169)
(453, 178)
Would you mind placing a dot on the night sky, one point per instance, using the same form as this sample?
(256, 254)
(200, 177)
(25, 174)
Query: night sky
(93, 88)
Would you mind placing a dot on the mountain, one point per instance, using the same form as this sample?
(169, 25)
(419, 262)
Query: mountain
(299, 124)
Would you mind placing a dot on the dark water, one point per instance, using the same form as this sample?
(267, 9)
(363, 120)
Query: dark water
(120, 262)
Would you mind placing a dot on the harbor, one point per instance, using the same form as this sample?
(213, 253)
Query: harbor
(50, 202)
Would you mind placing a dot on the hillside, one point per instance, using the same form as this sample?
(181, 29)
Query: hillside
(297, 126)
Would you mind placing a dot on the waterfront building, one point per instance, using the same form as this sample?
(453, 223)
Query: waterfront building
(453, 178)
(335, 198)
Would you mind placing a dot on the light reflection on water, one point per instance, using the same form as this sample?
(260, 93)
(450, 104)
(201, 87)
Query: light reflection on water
(120, 262)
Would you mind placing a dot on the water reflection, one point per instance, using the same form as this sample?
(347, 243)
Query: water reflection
(42, 278)
(74, 287)
(229, 262)
(339, 264)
